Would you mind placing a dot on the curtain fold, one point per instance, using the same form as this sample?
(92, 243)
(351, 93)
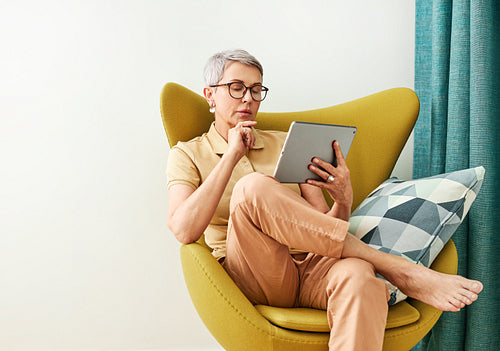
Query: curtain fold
(457, 78)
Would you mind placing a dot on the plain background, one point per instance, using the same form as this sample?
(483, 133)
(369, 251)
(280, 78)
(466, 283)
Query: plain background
(86, 260)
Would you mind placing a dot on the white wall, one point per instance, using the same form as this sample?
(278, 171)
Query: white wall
(86, 261)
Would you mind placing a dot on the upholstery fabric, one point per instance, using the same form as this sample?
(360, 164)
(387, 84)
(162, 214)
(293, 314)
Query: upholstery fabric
(414, 219)
(457, 78)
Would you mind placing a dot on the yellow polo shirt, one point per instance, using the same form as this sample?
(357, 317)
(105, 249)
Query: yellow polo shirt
(191, 162)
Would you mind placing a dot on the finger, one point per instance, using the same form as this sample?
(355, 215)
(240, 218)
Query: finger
(338, 152)
(325, 165)
(247, 134)
(317, 183)
(250, 137)
(247, 124)
(248, 131)
(318, 171)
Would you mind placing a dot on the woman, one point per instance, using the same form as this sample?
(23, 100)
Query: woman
(283, 246)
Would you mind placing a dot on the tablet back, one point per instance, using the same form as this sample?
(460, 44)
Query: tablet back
(307, 140)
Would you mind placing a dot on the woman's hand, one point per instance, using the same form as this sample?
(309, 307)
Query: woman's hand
(241, 137)
(339, 188)
(190, 211)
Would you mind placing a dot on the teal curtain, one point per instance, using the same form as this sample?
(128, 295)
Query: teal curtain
(457, 78)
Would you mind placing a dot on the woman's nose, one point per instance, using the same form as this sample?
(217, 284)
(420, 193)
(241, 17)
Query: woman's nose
(247, 96)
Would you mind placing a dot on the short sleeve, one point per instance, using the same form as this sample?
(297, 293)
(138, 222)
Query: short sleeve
(181, 169)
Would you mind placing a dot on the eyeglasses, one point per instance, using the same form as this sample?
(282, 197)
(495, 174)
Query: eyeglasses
(237, 90)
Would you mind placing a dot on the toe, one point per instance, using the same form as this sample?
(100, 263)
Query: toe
(476, 287)
(457, 304)
(464, 299)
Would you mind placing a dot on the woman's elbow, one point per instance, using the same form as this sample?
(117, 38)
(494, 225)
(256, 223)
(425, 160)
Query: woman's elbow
(184, 239)
(182, 233)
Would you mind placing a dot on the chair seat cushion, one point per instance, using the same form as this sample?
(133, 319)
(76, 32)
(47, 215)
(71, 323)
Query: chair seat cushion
(313, 320)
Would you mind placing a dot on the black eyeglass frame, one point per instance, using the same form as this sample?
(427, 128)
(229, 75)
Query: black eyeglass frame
(228, 85)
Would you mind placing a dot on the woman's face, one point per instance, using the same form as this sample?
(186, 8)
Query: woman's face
(228, 110)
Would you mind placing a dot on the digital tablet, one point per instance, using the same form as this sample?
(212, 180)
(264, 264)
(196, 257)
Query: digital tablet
(307, 140)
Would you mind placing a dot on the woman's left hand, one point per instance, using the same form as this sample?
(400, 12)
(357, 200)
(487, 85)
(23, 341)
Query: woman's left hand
(340, 188)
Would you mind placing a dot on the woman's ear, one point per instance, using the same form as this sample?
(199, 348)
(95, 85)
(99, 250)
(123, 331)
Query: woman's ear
(209, 95)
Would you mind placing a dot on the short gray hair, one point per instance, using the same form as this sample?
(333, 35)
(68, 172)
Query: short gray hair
(216, 65)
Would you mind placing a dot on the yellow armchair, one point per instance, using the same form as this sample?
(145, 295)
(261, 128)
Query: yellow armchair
(384, 121)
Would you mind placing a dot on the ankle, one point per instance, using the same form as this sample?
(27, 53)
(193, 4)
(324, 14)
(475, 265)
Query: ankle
(398, 271)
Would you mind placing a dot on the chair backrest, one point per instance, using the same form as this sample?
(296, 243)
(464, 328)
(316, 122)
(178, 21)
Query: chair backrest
(384, 121)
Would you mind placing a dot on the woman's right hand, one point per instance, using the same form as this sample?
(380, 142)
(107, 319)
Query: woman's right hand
(190, 211)
(241, 137)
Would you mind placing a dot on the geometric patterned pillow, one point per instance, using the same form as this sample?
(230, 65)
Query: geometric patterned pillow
(414, 219)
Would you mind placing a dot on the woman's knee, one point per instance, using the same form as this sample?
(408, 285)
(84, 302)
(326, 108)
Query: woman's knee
(358, 277)
(354, 267)
(252, 184)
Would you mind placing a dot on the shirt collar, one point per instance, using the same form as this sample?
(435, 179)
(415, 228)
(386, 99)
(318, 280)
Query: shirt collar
(219, 145)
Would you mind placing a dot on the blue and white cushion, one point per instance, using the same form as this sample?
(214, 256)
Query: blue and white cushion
(414, 219)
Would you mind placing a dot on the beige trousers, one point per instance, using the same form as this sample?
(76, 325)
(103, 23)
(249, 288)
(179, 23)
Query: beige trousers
(266, 219)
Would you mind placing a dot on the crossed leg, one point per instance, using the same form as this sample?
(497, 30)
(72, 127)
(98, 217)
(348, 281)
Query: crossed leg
(258, 259)
(267, 218)
(443, 291)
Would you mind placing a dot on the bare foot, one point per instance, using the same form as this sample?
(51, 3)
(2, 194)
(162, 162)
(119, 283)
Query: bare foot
(443, 291)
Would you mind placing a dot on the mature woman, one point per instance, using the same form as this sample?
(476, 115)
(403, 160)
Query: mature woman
(283, 245)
